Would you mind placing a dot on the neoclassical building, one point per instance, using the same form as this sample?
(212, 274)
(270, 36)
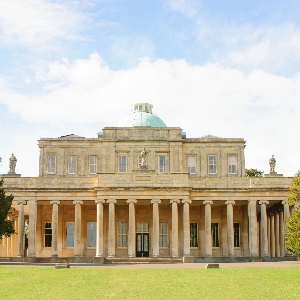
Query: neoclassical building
(143, 189)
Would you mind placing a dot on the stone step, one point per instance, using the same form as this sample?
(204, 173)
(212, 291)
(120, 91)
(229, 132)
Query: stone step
(142, 260)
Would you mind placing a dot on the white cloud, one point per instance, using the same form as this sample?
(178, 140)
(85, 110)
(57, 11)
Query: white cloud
(37, 23)
(188, 8)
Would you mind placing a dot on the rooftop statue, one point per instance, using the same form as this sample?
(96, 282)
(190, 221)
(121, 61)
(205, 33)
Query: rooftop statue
(272, 163)
(12, 163)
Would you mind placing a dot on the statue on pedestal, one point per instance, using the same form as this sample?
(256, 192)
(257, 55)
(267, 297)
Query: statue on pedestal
(272, 163)
(143, 161)
(12, 164)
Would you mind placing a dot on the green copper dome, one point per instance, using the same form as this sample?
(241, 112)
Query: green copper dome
(141, 115)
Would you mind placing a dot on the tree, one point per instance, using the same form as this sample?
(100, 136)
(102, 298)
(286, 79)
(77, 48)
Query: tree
(6, 226)
(292, 236)
(254, 173)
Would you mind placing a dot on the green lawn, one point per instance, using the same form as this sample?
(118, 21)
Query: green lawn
(141, 283)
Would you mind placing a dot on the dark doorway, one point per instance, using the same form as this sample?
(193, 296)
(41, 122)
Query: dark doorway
(142, 244)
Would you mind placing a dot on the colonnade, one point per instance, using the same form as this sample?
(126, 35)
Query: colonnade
(271, 228)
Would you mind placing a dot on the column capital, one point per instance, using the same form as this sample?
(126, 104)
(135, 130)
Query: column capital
(55, 202)
(24, 202)
(284, 202)
(208, 202)
(230, 202)
(31, 200)
(114, 201)
(174, 201)
(77, 202)
(131, 201)
(97, 201)
(155, 201)
(186, 201)
(263, 202)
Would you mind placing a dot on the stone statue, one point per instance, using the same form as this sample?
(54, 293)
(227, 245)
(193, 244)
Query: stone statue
(143, 155)
(12, 163)
(272, 163)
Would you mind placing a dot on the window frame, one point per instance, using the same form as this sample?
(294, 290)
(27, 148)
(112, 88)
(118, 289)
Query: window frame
(94, 164)
(230, 156)
(193, 244)
(91, 239)
(163, 235)
(162, 167)
(215, 235)
(213, 164)
(47, 235)
(49, 165)
(122, 234)
(72, 165)
(122, 167)
(190, 166)
(236, 236)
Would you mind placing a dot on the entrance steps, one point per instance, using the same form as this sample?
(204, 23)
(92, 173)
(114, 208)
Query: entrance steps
(142, 260)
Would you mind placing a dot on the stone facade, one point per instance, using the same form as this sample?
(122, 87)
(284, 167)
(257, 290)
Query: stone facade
(92, 199)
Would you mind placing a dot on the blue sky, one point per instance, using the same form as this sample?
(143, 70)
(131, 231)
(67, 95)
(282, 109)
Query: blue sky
(226, 68)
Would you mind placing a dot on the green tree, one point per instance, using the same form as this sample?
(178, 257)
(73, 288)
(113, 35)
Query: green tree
(292, 236)
(6, 226)
(254, 173)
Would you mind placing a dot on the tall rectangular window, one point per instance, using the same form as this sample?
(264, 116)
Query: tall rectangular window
(72, 164)
(191, 164)
(122, 234)
(236, 233)
(162, 164)
(122, 164)
(212, 164)
(193, 235)
(215, 234)
(163, 234)
(51, 164)
(48, 234)
(232, 164)
(70, 228)
(91, 235)
(93, 164)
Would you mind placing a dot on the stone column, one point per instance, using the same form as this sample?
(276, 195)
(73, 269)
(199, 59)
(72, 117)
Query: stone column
(155, 233)
(230, 233)
(264, 229)
(272, 234)
(32, 227)
(99, 230)
(208, 242)
(253, 239)
(54, 228)
(281, 233)
(77, 233)
(131, 228)
(186, 227)
(269, 233)
(286, 212)
(21, 228)
(111, 228)
(277, 242)
(174, 247)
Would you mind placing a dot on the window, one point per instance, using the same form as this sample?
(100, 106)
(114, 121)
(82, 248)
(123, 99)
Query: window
(93, 164)
(70, 227)
(232, 162)
(163, 234)
(215, 234)
(122, 164)
(193, 235)
(212, 164)
(72, 164)
(48, 234)
(162, 167)
(51, 164)
(236, 233)
(122, 234)
(192, 164)
(91, 234)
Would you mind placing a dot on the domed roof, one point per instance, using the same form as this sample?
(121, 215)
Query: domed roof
(141, 115)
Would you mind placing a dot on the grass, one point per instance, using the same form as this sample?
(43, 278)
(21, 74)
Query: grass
(20, 282)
